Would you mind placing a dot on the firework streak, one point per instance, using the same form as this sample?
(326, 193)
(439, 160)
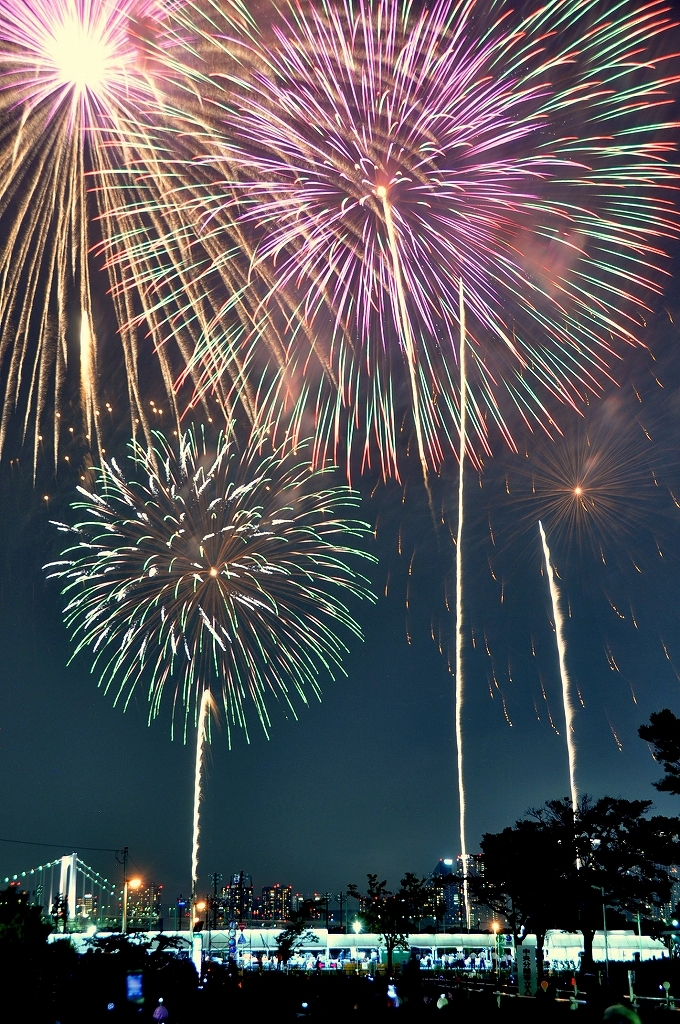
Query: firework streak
(202, 735)
(564, 675)
(459, 607)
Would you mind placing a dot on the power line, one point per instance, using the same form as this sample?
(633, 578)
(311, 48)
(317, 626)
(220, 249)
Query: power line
(62, 846)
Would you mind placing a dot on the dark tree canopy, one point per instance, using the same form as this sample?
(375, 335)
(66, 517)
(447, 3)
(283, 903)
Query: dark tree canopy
(549, 869)
(295, 934)
(393, 915)
(23, 942)
(663, 733)
(21, 925)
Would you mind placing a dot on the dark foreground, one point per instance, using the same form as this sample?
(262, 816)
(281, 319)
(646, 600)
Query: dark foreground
(91, 989)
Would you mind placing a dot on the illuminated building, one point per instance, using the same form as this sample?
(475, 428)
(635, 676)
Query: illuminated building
(277, 902)
(144, 907)
(88, 906)
(450, 878)
(237, 898)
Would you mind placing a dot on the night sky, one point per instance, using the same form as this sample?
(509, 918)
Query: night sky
(365, 780)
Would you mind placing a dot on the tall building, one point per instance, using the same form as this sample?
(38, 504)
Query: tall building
(88, 906)
(277, 901)
(444, 878)
(237, 897)
(144, 907)
(450, 877)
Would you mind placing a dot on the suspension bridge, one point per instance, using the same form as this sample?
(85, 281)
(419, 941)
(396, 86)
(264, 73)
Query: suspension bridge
(69, 890)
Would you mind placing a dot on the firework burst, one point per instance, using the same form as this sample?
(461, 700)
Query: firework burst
(603, 489)
(381, 153)
(71, 76)
(84, 87)
(219, 570)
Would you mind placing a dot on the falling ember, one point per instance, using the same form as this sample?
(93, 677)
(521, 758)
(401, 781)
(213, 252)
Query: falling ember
(505, 711)
(202, 736)
(614, 608)
(564, 676)
(670, 661)
(547, 706)
(618, 742)
(612, 661)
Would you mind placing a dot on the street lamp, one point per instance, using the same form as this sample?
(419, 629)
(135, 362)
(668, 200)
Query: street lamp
(357, 928)
(495, 928)
(200, 907)
(128, 883)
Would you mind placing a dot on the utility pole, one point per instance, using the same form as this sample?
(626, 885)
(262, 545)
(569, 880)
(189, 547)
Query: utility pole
(125, 890)
(215, 879)
(181, 903)
(342, 900)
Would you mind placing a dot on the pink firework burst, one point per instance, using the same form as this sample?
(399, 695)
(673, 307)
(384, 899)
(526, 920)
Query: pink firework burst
(381, 152)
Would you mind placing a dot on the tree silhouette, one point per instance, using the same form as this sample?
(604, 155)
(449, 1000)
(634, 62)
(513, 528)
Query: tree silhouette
(296, 933)
(550, 869)
(663, 732)
(394, 915)
(23, 940)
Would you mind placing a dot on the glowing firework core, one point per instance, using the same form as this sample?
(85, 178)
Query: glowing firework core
(81, 54)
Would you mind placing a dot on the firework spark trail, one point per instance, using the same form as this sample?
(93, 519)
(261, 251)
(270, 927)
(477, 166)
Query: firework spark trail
(214, 566)
(404, 320)
(72, 80)
(564, 676)
(85, 85)
(202, 737)
(459, 603)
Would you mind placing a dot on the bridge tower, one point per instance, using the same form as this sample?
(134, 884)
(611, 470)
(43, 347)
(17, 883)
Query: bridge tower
(67, 881)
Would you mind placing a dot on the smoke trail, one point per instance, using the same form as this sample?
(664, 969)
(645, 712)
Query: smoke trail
(564, 676)
(201, 736)
(459, 605)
